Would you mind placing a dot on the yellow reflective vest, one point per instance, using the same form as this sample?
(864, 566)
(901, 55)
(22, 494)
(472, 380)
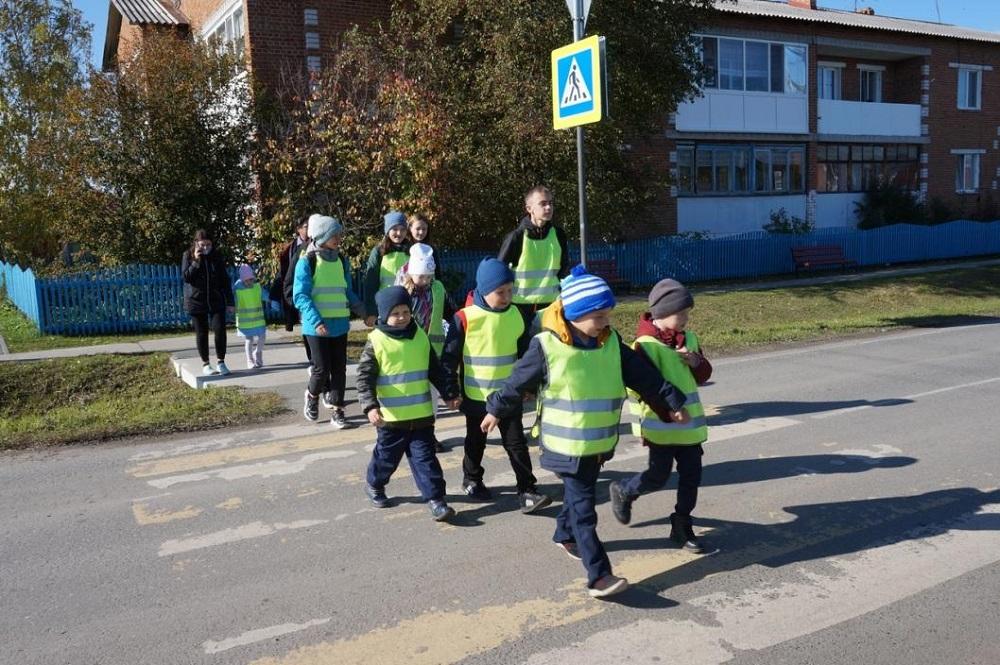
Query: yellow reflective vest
(536, 275)
(329, 291)
(436, 328)
(249, 308)
(490, 349)
(673, 369)
(580, 407)
(402, 388)
(390, 265)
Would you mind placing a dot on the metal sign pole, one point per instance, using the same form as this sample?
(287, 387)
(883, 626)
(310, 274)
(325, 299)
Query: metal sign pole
(581, 166)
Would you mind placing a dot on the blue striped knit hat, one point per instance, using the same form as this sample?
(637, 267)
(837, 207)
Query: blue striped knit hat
(583, 293)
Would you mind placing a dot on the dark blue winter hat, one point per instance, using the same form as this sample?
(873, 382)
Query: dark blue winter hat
(491, 275)
(388, 298)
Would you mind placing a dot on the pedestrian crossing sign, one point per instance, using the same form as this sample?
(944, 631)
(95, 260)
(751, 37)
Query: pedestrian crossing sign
(578, 83)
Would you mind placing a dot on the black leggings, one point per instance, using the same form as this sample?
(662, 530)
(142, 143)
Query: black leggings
(201, 325)
(329, 369)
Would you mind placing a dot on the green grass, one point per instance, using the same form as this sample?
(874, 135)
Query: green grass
(20, 334)
(729, 323)
(93, 398)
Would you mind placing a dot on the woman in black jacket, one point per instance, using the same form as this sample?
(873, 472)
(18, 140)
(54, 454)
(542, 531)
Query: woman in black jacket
(208, 295)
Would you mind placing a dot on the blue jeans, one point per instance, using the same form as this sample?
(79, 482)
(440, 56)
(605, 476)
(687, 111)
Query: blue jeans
(418, 446)
(577, 521)
(655, 477)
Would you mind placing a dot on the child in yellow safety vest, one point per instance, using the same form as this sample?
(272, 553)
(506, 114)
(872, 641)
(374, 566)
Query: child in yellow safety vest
(250, 323)
(484, 342)
(386, 258)
(662, 337)
(395, 374)
(579, 368)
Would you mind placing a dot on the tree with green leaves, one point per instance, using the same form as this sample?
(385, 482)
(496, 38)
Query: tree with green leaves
(42, 43)
(482, 73)
(163, 148)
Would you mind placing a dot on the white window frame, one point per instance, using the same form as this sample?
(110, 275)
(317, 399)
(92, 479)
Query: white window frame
(770, 43)
(968, 160)
(963, 91)
(871, 70)
(837, 69)
(310, 16)
(312, 41)
(219, 20)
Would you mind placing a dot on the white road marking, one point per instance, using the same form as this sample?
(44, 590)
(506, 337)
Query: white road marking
(256, 470)
(769, 614)
(236, 534)
(950, 388)
(260, 634)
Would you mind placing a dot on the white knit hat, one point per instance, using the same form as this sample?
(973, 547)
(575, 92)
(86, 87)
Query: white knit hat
(421, 260)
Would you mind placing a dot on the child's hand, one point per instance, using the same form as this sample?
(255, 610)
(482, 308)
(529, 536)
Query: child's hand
(680, 417)
(453, 403)
(375, 417)
(321, 330)
(370, 320)
(690, 359)
(489, 423)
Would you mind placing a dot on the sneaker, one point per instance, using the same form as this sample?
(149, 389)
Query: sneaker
(621, 503)
(441, 511)
(223, 370)
(328, 401)
(208, 370)
(682, 533)
(532, 501)
(377, 496)
(337, 419)
(311, 407)
(608, 585)
(258, 365)
(477, 490)
(571, 550)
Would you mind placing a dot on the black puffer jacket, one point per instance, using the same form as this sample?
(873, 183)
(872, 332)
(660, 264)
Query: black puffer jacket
(206, 284)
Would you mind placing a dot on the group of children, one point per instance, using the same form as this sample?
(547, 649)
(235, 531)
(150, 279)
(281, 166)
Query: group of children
(485, 359)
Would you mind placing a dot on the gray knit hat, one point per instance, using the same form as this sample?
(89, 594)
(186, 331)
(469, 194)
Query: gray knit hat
(668, 297)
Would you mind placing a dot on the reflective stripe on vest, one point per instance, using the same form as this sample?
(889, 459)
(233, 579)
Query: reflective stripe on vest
(580, 408)
(490, 349)
(673, 369)
(329, 291)
(249, 310)
(390, 265)
(536, 273)
(402, 388)
(436, 329)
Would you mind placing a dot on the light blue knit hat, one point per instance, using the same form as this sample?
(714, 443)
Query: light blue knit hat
(393, 218)
(583, 293)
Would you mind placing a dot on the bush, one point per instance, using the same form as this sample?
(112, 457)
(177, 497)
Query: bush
(887, 204)
(782, 222)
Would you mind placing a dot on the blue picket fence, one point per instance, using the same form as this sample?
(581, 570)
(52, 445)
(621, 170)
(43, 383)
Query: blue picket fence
(143, 297)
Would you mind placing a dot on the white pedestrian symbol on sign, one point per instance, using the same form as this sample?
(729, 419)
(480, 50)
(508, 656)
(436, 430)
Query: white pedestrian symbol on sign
(575, 91)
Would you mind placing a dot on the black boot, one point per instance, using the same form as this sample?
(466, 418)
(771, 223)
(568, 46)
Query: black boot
(682, 533)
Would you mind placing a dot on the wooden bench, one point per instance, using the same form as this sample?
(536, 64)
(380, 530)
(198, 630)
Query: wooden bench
(820, 257)
(607, 269)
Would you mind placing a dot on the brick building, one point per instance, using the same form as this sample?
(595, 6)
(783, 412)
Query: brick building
(805, 109)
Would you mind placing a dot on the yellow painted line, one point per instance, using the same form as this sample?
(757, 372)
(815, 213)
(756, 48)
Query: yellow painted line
(144, 516)
(403, 515)
(448, 462)
(242, 454)
(230, 504)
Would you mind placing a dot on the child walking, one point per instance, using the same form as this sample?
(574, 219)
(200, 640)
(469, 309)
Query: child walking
(579, 368)
(429, 301)
(386, 258)
(662, 337)
(323, 295)
(486, 339)
(250, 322)
(395, 374)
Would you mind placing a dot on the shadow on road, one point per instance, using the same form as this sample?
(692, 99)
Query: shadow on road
(819, 531)
(730, 414)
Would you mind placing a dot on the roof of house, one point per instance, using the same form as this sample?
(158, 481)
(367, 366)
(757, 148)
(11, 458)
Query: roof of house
(781, 9)
(145, 12)
(136, 12)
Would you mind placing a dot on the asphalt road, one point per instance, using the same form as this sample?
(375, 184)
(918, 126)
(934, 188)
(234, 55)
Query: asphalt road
(850, 490)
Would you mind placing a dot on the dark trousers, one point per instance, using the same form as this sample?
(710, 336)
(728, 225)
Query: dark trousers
(217, 322)
(512, 437)
(329, 369)
(577, 521)
(418, 446)
(655, 477)
(309, 353)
